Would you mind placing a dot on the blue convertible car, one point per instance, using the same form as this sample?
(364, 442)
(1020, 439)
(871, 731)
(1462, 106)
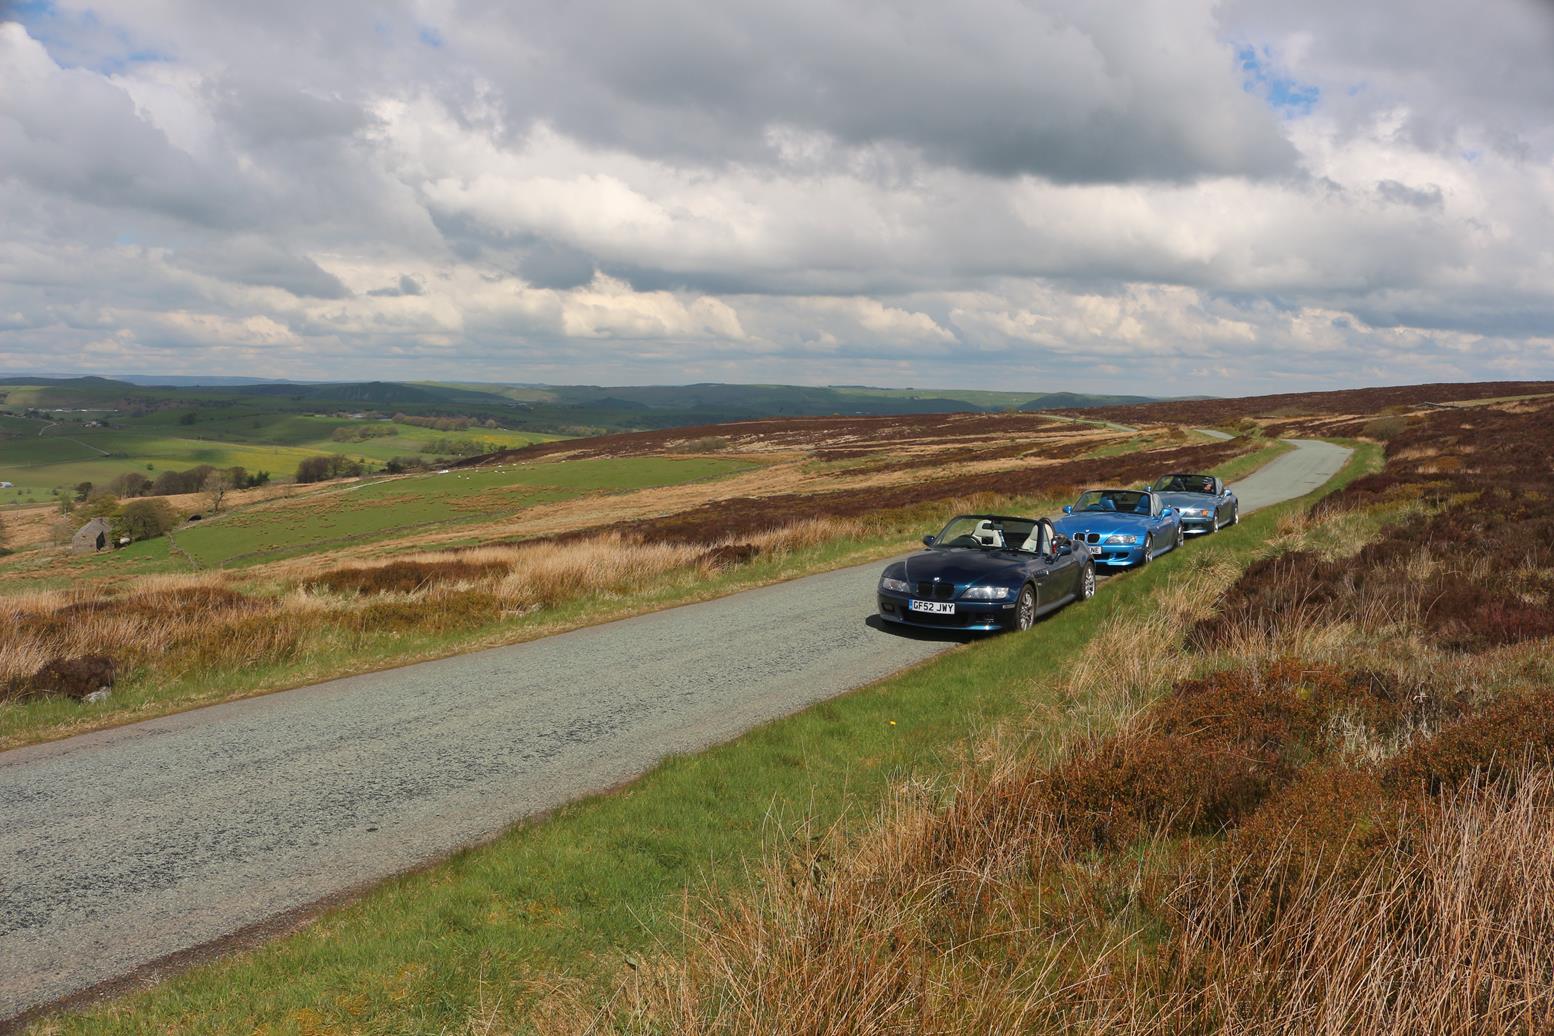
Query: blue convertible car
(1205, 503)
(986, 572)
(1122, 526)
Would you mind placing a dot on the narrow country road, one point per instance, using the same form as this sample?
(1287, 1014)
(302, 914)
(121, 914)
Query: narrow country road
(122, 847)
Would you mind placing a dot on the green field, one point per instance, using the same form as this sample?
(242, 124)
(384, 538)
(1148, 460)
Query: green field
(364, 512)
(68, 453)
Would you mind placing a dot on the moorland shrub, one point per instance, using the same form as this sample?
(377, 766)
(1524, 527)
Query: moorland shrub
(726, 555)
(404, 576)
(69, 677)
(1491, 745)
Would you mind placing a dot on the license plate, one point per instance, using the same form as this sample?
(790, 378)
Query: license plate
(934, 607)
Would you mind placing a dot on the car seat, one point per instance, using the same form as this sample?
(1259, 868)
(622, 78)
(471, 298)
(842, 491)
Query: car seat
(988, 535)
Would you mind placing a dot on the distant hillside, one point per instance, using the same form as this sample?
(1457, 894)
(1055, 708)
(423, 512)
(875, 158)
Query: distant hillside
(1364, 402)
(193, 381)
(1075, 401)
(555, 409)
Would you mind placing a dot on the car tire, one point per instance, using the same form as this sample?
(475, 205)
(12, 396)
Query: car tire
(1025, 608)
(1149, 549)
(1181, 536)
(1087, 583)
(1213, 524)
(1235, 516)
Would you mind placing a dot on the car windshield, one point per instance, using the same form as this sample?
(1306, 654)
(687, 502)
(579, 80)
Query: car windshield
(988, 533)
(1185, 484)
(1124, 501)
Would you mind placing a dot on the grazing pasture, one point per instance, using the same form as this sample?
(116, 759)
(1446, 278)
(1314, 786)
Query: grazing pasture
(361, 512)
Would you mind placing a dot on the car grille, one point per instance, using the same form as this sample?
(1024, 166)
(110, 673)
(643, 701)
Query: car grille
(936, 591)
(1089, 537)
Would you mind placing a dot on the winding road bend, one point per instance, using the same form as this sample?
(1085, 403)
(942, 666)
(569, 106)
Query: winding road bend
(121, 848)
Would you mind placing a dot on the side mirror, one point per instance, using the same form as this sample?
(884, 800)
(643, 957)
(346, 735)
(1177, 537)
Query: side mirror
(1166, 512)
(1068, 508)
(928, 541)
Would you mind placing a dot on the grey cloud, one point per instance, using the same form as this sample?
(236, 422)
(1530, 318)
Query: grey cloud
(256, 262)
(1465, 75)
(70, 132)
(551, 264)
(1427, 197)
(407, 285)
(1105, 92)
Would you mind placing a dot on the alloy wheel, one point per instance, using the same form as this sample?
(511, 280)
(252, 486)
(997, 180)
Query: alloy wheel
(1181, 535)
(1087, 583)
(1025, 611)
(1149, 549)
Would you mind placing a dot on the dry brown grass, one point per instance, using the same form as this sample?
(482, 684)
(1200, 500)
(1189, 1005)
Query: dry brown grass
(1447, 932)
(609, 564)
(167, 627)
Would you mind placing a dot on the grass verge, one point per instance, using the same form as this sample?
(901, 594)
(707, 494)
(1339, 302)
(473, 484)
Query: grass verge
(478, 940)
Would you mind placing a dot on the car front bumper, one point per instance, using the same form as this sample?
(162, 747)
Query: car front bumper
(972, 616)
(1195, 524)
(1115, 556)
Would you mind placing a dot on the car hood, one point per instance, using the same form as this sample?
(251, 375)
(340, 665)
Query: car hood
(1189, 499)
(1101, 521)
(959, 565)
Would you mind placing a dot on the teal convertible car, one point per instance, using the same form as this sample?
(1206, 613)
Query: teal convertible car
(1122, 527)
(986, 572)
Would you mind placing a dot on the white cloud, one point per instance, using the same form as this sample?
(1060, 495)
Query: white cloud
(1080, 197)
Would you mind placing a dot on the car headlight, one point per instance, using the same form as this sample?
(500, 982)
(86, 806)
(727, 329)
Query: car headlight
(985, 593)
(900, 586)
(1192, 512)
(1125, 539)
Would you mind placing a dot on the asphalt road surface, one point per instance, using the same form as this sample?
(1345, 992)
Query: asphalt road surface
(121, 848)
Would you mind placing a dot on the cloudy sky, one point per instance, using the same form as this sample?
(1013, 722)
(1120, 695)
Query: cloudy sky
(1157, 196)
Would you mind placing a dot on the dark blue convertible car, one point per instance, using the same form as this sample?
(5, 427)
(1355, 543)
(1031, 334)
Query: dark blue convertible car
(1205, 503)
(1122, 526)
(986, 572)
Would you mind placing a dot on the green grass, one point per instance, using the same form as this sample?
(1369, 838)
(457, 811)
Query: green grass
(69, 453)
(364, 512)
(575, 894)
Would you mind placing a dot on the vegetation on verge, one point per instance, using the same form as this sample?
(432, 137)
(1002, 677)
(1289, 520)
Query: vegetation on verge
(530, 926)
(1324, 805)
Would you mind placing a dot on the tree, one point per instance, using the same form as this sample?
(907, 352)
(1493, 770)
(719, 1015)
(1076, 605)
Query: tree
(131, 484)
(313, 469)
(146, 519)
(83, 490)
(100, 504)
(217, 485)
(317, 469)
